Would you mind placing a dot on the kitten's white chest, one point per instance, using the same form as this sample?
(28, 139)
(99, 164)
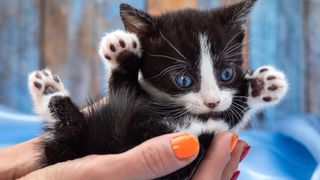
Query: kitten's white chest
(197, 127)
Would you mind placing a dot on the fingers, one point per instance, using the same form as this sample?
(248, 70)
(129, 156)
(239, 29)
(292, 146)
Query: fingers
(217, 157)
(159, 156)
(154, 158)
(232, 166)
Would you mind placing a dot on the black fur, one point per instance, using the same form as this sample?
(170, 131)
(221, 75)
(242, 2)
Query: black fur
(132, 115)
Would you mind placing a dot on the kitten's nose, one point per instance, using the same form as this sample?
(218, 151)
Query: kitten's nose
(212, 104)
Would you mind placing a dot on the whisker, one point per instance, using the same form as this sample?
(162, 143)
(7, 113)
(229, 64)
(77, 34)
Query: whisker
(223, 51)
(236, 54)
(235, 46)
(241, 106)
(168, 57)
(239, 117)
(168, 69)
(240, 101)
(173, 46)
(233, 115)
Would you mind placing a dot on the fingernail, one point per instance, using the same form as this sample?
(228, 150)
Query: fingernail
(185, 146)
(235, 175)
(234, 142)
(245, 152)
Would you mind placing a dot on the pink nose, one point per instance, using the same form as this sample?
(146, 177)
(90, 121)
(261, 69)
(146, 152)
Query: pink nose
(212, 105)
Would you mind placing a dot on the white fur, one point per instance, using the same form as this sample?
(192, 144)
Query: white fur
(256, 104)
(245, 119)
(40, 100)
(156, 93)
(197, 127)
(277, 95)
(113, 38)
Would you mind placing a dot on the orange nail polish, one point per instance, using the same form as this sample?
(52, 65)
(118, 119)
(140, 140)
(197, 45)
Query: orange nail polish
(234, 142)
(185, 146)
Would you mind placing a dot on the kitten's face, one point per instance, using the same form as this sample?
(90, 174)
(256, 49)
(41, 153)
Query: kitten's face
(192, 58)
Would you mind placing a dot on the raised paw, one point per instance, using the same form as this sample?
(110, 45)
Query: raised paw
(268, 86)
(43, 85)
(114, 44)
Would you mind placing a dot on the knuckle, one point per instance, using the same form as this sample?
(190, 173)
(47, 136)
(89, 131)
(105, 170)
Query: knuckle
(154, 159)
(225, 134)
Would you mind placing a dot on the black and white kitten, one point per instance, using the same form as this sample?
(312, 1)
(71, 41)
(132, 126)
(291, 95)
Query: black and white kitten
(178, 72)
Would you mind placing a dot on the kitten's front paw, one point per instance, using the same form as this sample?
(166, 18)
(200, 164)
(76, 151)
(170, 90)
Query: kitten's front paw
(43, 85)
(117, 46)
(268, 86)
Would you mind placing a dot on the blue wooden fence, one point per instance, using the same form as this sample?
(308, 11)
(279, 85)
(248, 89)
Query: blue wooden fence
(63, 35)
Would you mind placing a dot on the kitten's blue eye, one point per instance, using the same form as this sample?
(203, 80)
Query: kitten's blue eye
(183, 81)
(227, 74)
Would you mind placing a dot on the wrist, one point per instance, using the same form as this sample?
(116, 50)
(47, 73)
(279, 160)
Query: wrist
(19, 160)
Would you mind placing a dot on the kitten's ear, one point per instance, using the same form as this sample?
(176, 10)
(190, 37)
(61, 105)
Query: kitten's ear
(136, 21)
(238, 14)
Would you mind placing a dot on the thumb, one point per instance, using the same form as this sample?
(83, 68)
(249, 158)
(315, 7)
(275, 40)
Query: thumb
(161, 156)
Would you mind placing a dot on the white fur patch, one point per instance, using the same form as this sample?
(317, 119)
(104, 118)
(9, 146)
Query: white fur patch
(40, 100)
(114, 38)
(245, 119)
(256, 104)
(156, 93)
(198, 127)
(276, 95)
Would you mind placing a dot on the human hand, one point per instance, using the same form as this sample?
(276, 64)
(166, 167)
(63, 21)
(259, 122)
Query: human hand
(222, 158)
(154, 158)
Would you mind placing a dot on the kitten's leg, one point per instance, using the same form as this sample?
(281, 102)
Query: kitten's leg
(121, 51)
(43, 86)
(267, 87)
(63, 121)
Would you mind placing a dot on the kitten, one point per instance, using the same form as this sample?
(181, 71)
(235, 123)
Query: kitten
(177, 72)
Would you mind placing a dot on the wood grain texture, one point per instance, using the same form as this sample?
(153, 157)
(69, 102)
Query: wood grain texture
(19, 51)
(65, 46)
(276, 37)
(71, 34)
(161, 6)
(312, 30)
(206, 4)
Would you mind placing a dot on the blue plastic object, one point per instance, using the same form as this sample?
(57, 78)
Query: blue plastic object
(275, 156)
(17, 127)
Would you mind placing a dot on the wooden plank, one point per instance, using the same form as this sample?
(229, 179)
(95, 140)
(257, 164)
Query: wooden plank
(229, 2)
(276, 36)
(19, 51)
(206, 4)
(72, 31)
(60, 44)
(161, 6)
(312, 25)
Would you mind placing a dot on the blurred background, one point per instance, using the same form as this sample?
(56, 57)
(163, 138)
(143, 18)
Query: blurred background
(63, 35)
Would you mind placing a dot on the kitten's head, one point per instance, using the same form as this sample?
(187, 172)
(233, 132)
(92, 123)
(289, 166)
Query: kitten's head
(192, 58)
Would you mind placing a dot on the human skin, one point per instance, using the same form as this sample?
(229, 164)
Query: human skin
(219, 162)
